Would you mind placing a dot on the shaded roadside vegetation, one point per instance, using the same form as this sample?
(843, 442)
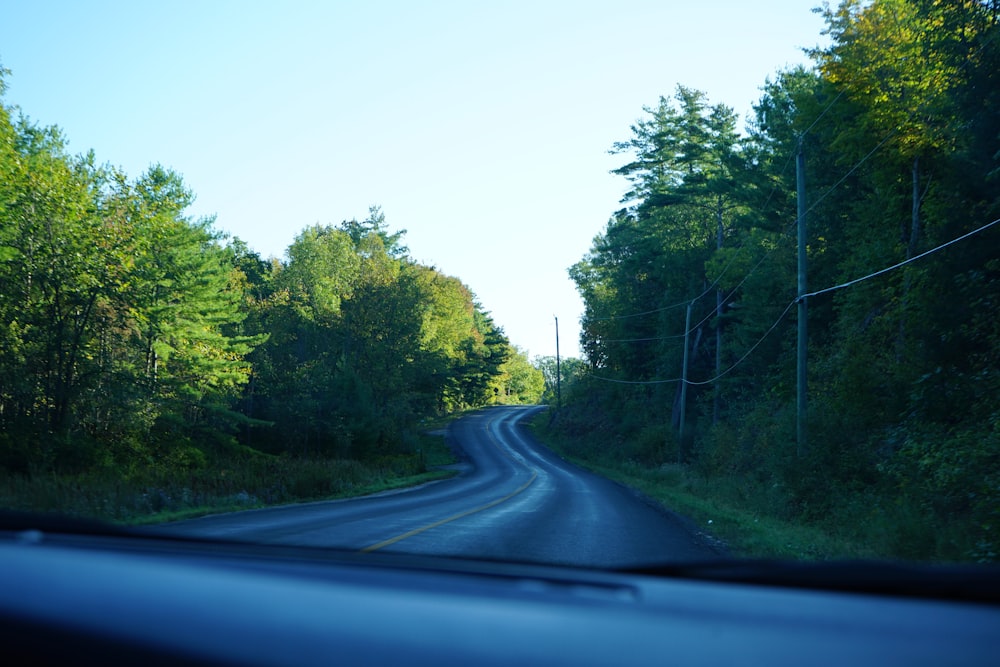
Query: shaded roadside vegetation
(899, 128)
(235, 483)
(150, 365)
(719, 506)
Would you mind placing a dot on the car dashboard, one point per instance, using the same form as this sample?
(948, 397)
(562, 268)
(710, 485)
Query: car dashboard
(90, 598)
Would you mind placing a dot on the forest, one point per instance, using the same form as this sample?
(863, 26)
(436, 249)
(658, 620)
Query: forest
(144, 352)
(692, 291)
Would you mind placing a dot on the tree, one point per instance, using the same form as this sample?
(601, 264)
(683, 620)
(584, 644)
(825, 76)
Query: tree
(115, 306)
(375, 226)
(657, 254)
(519, 382)
(364, 343)
(66, 255)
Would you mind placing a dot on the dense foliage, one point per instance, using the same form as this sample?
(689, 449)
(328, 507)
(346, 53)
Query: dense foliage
(899, 126)
(134, 340)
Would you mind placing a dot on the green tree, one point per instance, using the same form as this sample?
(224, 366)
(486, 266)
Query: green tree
(65, 262)
(299, 375)
(519, 382)
(364, 343)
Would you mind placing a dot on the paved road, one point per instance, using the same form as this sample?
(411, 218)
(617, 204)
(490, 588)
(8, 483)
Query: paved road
(514, 500)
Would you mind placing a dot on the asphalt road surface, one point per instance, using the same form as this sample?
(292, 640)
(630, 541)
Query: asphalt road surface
(513, 500)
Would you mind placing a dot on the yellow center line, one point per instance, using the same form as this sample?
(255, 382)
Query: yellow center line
(455, 517)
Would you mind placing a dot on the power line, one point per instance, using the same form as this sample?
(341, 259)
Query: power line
(679, 304)
(712, 313)
(726, 268)
(781, 317)
(768, 253)
(752, 348)
(901, 264)
(695, 299)
(851, 171)
(886, 139)
(604, 379)
(828, 107)
(645, 312)
(642, 340)
(723, 373)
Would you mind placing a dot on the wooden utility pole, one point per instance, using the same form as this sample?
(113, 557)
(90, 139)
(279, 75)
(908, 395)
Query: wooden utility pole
(558, 370)
(801, 411)
(718, 318)
(684, 385)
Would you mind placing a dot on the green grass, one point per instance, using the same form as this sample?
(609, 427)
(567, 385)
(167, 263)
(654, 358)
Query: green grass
(250, 482)
(742, 531)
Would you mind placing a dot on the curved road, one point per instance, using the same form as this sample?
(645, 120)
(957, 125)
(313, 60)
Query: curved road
(514, 500)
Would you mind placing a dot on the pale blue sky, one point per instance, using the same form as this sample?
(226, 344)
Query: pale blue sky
(481, 128)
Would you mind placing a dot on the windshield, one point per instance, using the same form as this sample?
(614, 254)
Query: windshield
(608, 285)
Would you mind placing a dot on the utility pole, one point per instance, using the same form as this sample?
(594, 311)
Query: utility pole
(684, 385)
(558, 370)
(718, 318)
(801, 374)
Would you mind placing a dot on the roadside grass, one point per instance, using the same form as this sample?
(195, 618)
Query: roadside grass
(260, 480)
(711, 506)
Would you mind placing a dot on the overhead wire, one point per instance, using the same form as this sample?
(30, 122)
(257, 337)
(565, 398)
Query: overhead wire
(781, 317)
(748, 352)
(900, 264)
(640, 382)
(717, 377)
(823, 113)
(720, 375)
(851, 170)
(711, 314)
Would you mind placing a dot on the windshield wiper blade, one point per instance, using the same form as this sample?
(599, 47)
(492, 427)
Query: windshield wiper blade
(977, 583)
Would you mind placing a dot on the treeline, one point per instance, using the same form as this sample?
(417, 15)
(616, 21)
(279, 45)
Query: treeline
(134, 339)
(898, 123)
